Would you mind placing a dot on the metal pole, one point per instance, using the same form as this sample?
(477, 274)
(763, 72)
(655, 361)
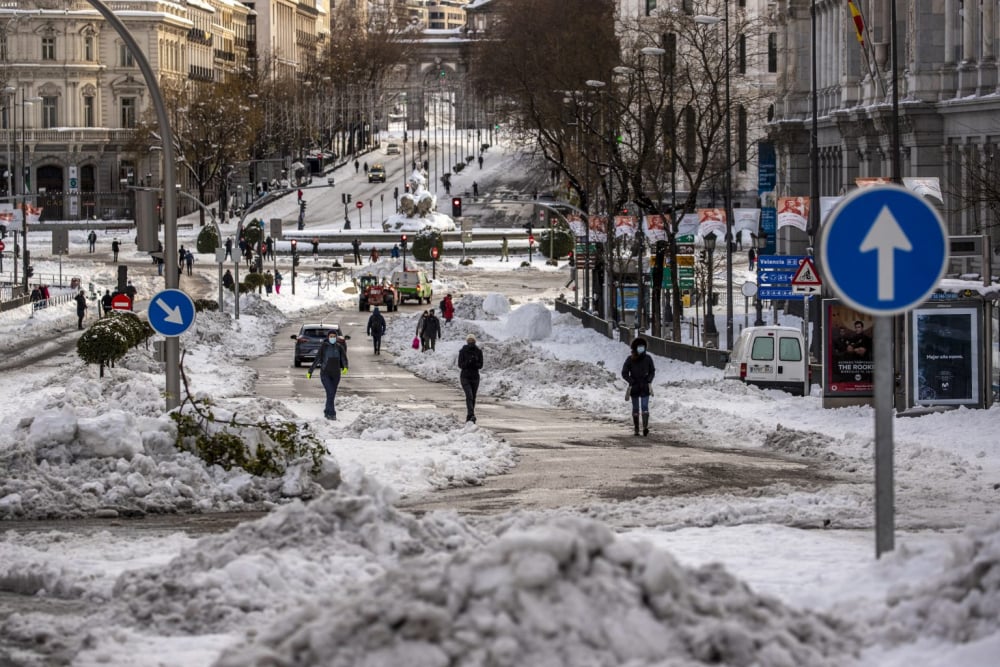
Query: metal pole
(729, 195)
(884, 502)
(172, 344)
(236, 288)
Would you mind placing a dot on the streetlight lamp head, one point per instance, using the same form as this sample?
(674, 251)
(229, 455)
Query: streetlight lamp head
(709, 240)
(622, 69)
(652, 51)
(594, 83)
(707, 19)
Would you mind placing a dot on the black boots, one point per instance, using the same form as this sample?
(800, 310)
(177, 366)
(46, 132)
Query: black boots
(645, 424)
(635, 422)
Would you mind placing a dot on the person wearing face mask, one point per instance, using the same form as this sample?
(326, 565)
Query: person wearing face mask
(639, 371)
(332, 362)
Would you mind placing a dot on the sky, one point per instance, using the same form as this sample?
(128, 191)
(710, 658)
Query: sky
(337, 574)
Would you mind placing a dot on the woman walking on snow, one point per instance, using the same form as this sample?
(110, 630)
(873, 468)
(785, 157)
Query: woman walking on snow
(639, 371)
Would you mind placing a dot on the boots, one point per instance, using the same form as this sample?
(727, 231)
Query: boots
(645, 424)
(635, 421)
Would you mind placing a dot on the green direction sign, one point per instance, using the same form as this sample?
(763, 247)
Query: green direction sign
(685, 238)
(581, 248)
(685, 273)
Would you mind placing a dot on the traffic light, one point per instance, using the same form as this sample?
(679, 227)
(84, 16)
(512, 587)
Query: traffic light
(295, 259)
(456, 207)
(527, 228)
(348, 197)
(402, 241)
(30, 271)
(302, 205)
(3, 231)
(343, 197)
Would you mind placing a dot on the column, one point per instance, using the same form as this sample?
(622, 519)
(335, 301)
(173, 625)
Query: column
(988, 65)
(968, 77)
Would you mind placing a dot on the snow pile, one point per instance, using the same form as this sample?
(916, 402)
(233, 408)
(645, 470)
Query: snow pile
(562, 593)
(960, 604)
(496, 304)
(283, 561)
(532, 321)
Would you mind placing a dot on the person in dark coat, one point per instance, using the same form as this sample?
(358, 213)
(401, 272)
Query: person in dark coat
(331, 359)
(470, 361)
(229, 248)
(115, 247)
(227, 279)
(81, 308)
(432, 330)
(638, 370)
(106, 302)
(376, 329)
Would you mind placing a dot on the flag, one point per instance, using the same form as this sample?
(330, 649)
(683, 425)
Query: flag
(34, 213)
(859, 23)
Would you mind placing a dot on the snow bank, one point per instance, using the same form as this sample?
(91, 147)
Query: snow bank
(532, 321)
(564, 592)
(496, 304)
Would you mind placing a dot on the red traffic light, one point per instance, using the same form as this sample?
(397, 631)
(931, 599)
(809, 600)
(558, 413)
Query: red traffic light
(434, 252)
(531, 239)
(403, 238)
(294, 244)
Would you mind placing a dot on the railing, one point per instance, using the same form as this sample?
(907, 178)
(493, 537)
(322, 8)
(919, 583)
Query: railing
(200, 73)
(64, 135)
(228, 56)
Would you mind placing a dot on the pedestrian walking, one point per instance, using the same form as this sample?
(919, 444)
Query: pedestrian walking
(470, 361)
(475, 189)
(357, 165)
(106, 302)
(115, 247)
(366, 167)
(130, 291)
(503, 249)
(447, 309)
(752, 258)
(480, 161)
(315, 244)
(395, 251)
(269, 244)
(376, 329)
(331, 359)
(159, 263)
(432, 330)
(277, 282)
(373, 255)
(227, 279)
(229, 248)
(92, 240)
(189, 261)
(81, 308)
(248, 255)
(356, 244)
(638, 370)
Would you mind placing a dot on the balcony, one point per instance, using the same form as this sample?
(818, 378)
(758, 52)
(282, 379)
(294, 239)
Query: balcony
(303, 38)
(227, 56)
(66, 135)
(198, 36)
(197, 73)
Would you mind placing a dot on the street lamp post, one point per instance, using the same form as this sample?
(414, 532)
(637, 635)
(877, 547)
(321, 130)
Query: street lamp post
(711, 331)
(605, 309)
(760, 242)
(295, 260)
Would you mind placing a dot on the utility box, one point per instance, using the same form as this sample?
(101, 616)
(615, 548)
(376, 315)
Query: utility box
(276, 228)
(60, 241)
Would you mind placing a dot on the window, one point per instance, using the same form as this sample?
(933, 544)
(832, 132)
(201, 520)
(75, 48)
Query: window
(789, 349)
(763, 349)
(772, 52)
(88, 111)
(128, 112)
(48, 48)
(49, 116)
(88, 48)
(741, 54)
(650, 6)
(3, 46)
(741, 137)
(125, 56)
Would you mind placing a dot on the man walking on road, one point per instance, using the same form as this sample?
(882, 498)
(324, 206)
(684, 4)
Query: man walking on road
(92, 240)
(376, 329)
(81, 308)
(470, 360)
(115, 247)
(356, 244)
(332, 362)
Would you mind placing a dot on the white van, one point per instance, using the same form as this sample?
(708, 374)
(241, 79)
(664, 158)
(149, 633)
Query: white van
(392, 148)
(770, 357)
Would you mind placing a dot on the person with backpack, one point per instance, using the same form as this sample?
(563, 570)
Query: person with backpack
(92, 240)
(376, 329)
(638, 370)
(470, 361)
(331, 359)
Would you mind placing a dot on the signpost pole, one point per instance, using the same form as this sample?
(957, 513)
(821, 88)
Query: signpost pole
(805, 337)
(884, 496)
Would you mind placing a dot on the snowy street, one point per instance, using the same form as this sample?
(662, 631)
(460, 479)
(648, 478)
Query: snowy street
(739, 532)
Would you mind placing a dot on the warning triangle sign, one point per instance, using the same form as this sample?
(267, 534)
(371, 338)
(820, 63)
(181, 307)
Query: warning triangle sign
(806, 275)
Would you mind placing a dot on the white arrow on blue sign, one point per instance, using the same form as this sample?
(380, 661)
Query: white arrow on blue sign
(171, 312)
(883, 249)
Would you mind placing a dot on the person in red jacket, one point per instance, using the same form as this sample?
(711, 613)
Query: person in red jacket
(447, 309)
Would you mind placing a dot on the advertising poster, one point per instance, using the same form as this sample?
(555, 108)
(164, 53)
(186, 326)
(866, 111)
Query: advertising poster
(767, 179)
(655, 230)
(848, 349)
(793, 212)
(598, 228)
(575, 223)
(945, 356)
(626, 225)
(712, 220)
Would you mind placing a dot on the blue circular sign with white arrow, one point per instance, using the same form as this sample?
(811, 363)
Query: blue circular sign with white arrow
(883, 249)
(171, 312)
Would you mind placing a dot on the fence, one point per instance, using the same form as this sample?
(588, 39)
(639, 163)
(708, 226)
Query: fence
(665, 348)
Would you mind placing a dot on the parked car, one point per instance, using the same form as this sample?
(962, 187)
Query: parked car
(376, 173)
(309, 338)
(413, 285)
(770, 357)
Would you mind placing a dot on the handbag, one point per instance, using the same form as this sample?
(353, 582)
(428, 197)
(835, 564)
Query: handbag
(628, 393)
(416, 343)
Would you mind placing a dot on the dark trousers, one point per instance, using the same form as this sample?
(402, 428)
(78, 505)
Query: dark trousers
(330, 384)
(470, 385)
(79, 319)
(377, 342)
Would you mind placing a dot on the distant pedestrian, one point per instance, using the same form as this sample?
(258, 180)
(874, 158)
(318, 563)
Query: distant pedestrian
(229, 248)
(638, 370)
(395, 251)
(331, 359)
(130, 292)
(115, 247)
(106, 302)
(158, 258)
(181, 255)
(480, 161)
(227, 279)
(268, 281)
(189, 261)
(432, 330)
(752, 258)
(447, 309)
(366, 167)
(357, 166)
(277, 282)
(470, 361)
(356, 244)
(475, 189)
(373, 255)
(376, 329)
(315, 245)
(92, 240)
(503, 249)
(269, 244)
(81, 308)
